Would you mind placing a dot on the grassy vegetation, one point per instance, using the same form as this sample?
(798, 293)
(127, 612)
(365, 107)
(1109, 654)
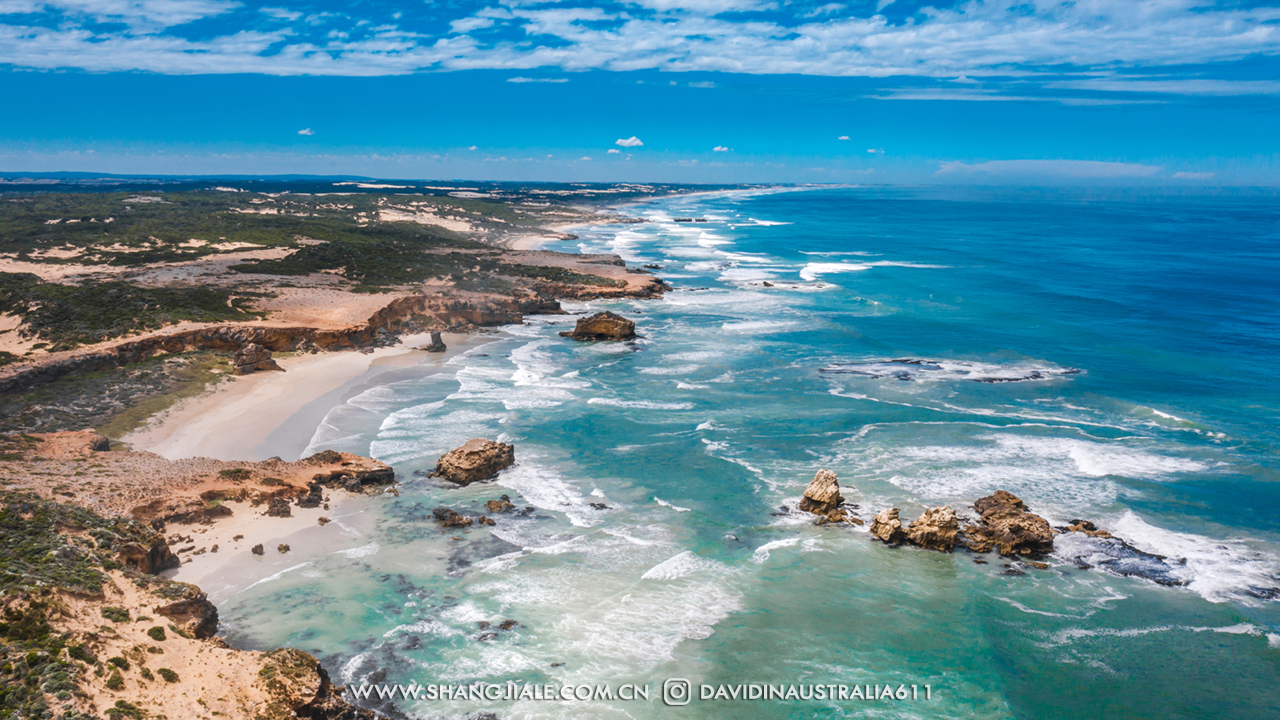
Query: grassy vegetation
(71, 315)
(557, 274)
(193, 378)
(38, 559)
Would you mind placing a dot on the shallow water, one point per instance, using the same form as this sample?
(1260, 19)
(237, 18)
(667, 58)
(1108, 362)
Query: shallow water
(1106, 358)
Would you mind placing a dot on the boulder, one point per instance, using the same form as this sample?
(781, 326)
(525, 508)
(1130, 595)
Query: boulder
(252, 358)
(822, 497)
(449, 517)
(437, 344)
(478, 459)
(500, 505)
(278, 507)
(936, 529)
(1008, 527)
(887, 527)
(256, 549)
(603, 326)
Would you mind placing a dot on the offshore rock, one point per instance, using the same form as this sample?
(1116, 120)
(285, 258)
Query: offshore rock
(1008, 527)
(886, 527)
(478, 459)
(500, 505)
(936, 529)
(822, 497)
(252, 358)
(437, 344)
(449, 517)
(603, 326)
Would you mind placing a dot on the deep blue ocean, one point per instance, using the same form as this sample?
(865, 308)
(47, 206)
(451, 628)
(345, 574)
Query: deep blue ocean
(1105, 356)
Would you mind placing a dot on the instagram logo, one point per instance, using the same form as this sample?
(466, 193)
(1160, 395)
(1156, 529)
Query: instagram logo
(676, 691)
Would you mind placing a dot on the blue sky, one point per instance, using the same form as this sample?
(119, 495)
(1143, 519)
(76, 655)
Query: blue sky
(1148, 92)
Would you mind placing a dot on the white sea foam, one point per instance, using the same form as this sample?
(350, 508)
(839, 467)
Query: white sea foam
(760, 326)
(762, 553)
(641, 404)
(813, 270)
(683, 565)
(277, 576)
(664, 503)
(670, 370)
(1217, 570)
(360, 552)
(544, 488)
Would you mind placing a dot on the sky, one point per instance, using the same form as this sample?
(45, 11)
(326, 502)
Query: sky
(1131, 92)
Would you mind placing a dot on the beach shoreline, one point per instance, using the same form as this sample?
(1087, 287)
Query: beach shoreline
(235, 419)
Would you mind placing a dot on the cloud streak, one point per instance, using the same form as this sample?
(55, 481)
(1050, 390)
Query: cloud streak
(974, 39)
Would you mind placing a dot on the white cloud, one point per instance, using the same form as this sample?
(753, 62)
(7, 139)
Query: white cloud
(537, 80)
(876, 151)
(632, 141)
(882, 4)
(975, 38)
(720, 148)
(466, 25)
(584, 157)
(474, 147)
(843, 137)
(614, 151)
(306, 131)
(828, 9)
(1192, 175)
(704, 84)
(1190, 86)
(280, 13)
(1073, 169)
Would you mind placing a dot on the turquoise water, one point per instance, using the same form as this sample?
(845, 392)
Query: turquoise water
(1103, 357)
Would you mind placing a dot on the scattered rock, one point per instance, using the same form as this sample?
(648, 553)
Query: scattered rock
(253, 357)
(237, 537)
(508, 625)
(214, 549)
(478, 459)
(278, 507)
(598, 506)
(1038, 565)
(486, 521)
(603, 326)
(256, 549)
(822, 497)
(449, 517)
(1008, 527)
(936, 529)
(437, 344)
(325, 520)
(887, 527)
(500, 505)
(282, 548)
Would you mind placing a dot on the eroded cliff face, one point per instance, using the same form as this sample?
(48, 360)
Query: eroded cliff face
(96, 638)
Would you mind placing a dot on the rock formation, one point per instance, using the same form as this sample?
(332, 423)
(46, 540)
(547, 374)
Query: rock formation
(278, 507)
(603, 326)
(822, 497)
(500, 505)
(252, 358)
(887, 527)
(437, 345)
(1008, 527)
(449, 517)
(478, 459)
(935, 529)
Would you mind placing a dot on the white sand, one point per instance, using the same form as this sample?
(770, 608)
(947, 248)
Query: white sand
(232, 421)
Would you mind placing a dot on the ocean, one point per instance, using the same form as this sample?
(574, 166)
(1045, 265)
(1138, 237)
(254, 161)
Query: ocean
(1104, 356)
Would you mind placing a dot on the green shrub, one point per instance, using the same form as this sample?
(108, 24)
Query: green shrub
(119, 662)
(157, 633)
(168, 675)
(146, 674)
(115, 614)
(115, 682)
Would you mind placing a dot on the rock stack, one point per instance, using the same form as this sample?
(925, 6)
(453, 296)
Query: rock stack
(886, 527)
(252, 358)
(936, 529)
(603, 326)
(478, 459)
(437, 345)
(1008, 527)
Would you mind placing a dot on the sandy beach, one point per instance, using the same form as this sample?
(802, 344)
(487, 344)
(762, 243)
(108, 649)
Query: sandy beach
(236, 419)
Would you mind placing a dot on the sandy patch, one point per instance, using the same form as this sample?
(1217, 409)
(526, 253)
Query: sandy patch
(233, 419)
(423, 217)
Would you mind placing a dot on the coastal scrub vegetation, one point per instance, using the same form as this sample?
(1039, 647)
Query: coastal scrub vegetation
(70, 315)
